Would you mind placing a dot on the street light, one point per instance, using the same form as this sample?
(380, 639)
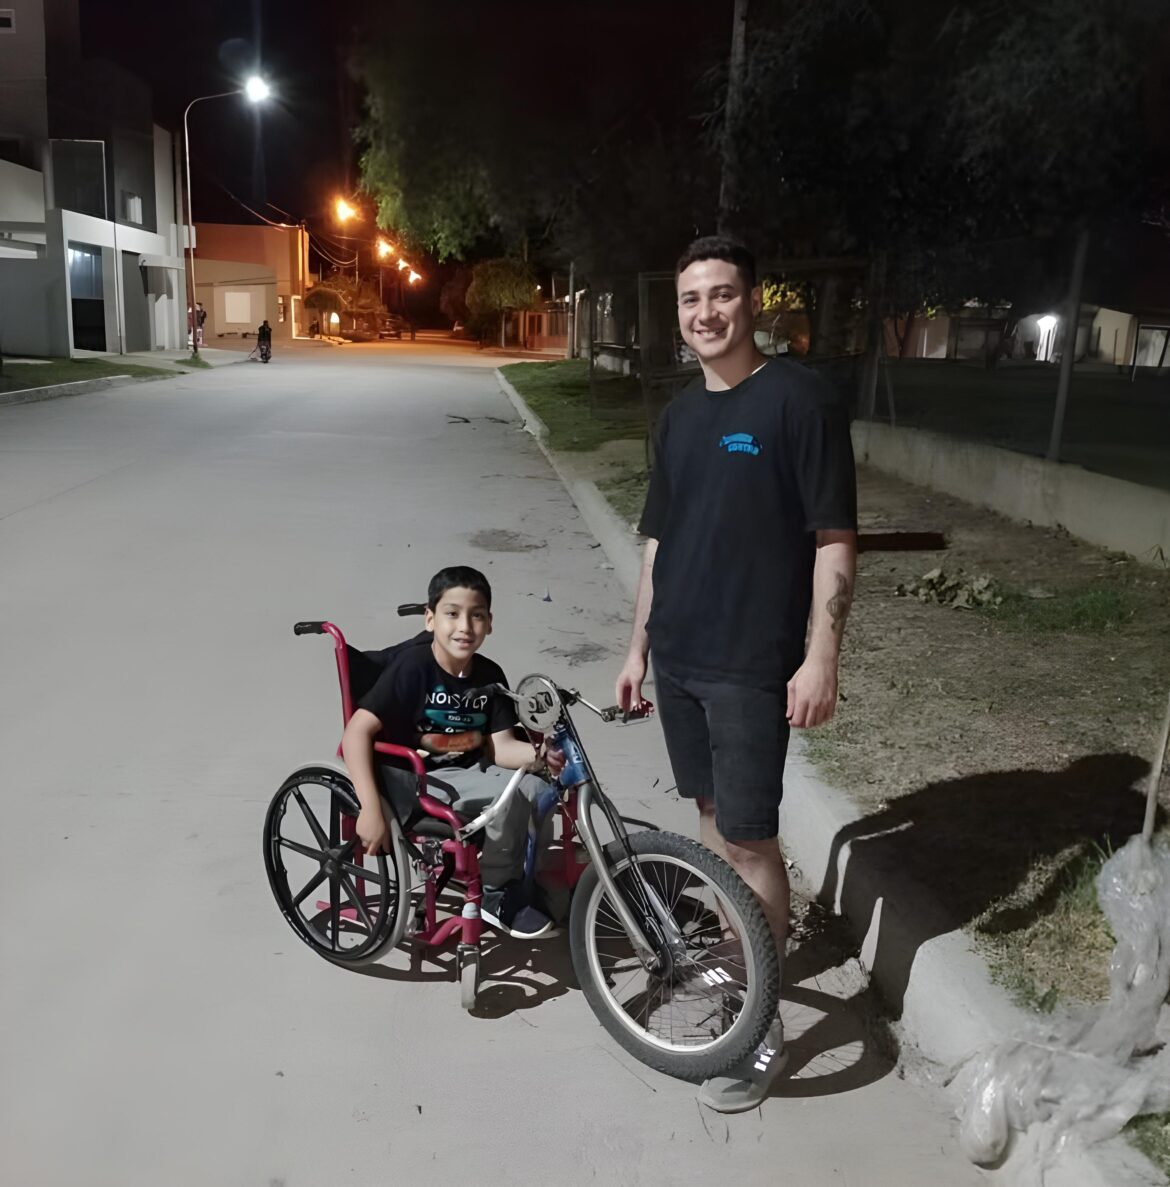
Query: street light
(384, 249)
(344, 211)
(256, 90)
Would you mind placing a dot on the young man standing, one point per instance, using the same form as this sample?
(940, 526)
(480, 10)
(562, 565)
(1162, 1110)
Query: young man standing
(750, 524)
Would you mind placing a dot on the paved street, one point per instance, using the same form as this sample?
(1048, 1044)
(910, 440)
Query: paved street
(162, 1025)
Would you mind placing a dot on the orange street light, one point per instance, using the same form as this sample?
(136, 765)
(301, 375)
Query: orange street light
(384, 249)
(402, 264)
(413, 276)
(344, 210)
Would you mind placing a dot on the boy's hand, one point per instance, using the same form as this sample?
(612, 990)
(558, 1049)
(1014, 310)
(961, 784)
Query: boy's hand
(556, 762)
(628, 689)
(372, 831)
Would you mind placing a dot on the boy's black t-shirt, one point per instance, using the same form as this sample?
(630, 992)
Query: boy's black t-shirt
(743, 479)
(425, 708)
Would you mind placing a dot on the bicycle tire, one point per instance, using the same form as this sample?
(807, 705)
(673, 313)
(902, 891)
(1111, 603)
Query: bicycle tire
(737, 903)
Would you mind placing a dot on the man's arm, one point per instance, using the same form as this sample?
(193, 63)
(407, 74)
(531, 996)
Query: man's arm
(628, 689)
(812, 691)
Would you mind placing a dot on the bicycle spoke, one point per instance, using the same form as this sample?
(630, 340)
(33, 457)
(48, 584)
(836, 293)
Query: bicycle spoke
(314, 823)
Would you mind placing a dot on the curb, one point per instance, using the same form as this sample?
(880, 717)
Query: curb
(31, 395)
(950, 1006)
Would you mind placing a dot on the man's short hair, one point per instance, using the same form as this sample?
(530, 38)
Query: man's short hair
(458, 577)
(719, 247)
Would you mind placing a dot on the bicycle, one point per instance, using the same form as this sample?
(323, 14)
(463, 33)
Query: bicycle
(669, 945)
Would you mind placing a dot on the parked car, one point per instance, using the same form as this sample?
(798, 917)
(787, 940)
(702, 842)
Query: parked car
(392, 326)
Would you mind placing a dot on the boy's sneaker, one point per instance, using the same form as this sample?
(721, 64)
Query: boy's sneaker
(527, 924)
(746, 1085)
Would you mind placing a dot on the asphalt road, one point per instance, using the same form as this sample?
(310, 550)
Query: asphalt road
(161, 1024)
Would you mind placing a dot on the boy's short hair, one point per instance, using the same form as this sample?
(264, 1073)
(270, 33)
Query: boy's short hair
(719, 247)
(458, 577)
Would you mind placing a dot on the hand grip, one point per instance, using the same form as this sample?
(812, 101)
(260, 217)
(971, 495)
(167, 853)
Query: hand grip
(408, 608)
(309, 628)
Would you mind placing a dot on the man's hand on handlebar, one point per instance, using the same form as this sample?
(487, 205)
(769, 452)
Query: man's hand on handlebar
(628, 689)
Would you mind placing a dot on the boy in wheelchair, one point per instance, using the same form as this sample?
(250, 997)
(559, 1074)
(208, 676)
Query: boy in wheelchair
(427, 694)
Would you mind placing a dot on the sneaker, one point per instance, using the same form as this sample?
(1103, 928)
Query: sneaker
(746, 1085)
(527, 924)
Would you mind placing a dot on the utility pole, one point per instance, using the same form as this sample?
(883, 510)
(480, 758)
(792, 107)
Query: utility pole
(733, 103)
(571, 323)
(1072, 317)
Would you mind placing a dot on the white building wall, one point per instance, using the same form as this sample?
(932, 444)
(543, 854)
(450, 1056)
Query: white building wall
(1113, 331)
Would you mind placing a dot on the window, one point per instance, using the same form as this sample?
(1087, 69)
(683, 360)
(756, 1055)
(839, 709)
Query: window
(7, 20)
(132, 208)
(85, 272)
(280, 309)
(237, 308)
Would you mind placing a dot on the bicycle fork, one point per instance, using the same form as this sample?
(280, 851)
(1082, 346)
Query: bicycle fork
(642, 947)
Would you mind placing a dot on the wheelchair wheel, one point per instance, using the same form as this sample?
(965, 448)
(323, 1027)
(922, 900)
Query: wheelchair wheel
(714, 994)
(343, 904)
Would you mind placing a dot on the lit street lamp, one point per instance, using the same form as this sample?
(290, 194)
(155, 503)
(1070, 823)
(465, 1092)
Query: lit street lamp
(256, 90)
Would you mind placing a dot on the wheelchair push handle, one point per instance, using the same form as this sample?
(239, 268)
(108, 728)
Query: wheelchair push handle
(409, 608)
(309, 628)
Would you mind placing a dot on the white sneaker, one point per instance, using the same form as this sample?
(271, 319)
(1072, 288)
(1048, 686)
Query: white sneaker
(746, 1085)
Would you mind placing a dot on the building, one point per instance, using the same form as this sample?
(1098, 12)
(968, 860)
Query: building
(244, 274)
(90, 243)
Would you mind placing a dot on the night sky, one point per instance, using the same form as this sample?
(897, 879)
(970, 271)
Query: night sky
(293, 151)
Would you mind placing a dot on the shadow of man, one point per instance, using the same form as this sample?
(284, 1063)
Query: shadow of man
(941, 856)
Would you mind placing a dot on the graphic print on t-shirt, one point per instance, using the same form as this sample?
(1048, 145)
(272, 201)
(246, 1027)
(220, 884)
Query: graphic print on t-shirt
(740, 443)
(452, 724)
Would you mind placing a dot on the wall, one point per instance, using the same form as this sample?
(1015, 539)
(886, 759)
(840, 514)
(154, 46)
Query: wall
(1102, 510)
(282, 250)
(23, 90)
(1116, 330)
(33, 309)
(215, 279)
(22, 200)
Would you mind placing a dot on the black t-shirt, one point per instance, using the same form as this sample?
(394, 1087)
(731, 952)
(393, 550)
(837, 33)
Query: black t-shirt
(743, 479)
(425, 708)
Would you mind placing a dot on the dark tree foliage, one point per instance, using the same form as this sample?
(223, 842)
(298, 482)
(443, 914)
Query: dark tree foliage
(511, 131)
(944, 137)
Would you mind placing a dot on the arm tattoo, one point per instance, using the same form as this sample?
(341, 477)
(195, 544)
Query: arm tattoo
(838, 605)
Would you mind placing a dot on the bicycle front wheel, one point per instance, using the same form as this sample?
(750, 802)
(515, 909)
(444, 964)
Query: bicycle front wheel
(714, 994)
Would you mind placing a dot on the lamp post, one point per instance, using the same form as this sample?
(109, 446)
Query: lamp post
(256, 90)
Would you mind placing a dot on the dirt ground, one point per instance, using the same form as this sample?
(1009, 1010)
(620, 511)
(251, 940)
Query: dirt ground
(998, 752)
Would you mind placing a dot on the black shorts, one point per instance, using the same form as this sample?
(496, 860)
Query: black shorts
(727, 743)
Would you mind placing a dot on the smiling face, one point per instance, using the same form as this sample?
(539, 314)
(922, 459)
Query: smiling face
(460, 622)
(716, 310)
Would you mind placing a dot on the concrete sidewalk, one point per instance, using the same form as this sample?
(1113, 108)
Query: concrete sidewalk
(927, 971)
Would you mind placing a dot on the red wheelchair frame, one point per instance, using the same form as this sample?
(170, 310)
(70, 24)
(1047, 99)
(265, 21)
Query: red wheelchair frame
(465, 855)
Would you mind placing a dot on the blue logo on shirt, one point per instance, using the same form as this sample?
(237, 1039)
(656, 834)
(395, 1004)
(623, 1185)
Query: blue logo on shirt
(740, 443)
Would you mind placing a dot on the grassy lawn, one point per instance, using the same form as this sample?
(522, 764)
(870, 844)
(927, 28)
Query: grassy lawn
(559, 394)
(22, 376)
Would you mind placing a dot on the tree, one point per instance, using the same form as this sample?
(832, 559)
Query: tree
(476, 146)
(453, 297)
(497, 287)
(880, 127)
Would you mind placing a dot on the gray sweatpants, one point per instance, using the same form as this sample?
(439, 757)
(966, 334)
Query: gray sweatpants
(466, 788)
